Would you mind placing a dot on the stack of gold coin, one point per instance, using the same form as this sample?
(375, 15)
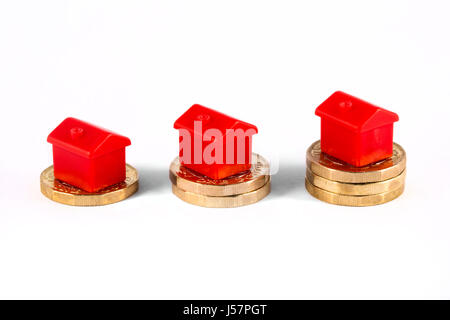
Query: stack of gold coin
(331, 180)
(238, 190)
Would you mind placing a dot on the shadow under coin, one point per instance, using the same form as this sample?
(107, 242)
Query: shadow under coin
(289, 181)
(155, 180)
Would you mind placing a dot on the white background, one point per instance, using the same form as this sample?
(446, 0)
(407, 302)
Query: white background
(135, 66)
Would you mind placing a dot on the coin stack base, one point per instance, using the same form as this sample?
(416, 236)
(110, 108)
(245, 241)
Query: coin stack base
(333, 181)
(235, 191)
(67, 194)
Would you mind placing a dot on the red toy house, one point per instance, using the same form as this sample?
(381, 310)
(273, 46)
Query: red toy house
(355, 131)
(232, 139)
(86, 156)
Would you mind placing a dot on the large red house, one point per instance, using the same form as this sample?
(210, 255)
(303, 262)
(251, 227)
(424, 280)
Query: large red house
(86, 156)
(355, 131)
(233, 152)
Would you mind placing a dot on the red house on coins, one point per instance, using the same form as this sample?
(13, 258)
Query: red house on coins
(355, 131)
(214, 144)
(86, 156)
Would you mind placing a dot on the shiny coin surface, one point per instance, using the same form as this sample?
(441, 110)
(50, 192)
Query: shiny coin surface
(356, 188)
(353, 201)
(64, 193)
(222, 201)
(331, 168)
(191, 181)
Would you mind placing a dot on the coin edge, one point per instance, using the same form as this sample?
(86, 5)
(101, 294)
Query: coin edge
(88, 200)
(265, 191)
(309, 185)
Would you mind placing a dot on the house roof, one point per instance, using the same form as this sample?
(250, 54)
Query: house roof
(354, 113)
(210, 119)
(85, 139)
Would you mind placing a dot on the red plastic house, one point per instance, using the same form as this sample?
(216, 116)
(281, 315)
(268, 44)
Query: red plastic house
(355, 131)
(200, 127)
(86, 156)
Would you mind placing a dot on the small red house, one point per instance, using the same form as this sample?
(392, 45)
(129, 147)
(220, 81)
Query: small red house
(355, 131)
(204, 133)
(86, 156)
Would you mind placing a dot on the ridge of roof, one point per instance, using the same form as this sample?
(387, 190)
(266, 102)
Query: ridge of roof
(85, 139)
(355, 113)
(210, 118)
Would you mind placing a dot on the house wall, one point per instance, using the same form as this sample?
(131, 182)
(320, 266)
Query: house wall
(376, 144)
(89, 174)
(71, 168)
(217, 170)
(356, 148)
(339, 141)
(109, 169)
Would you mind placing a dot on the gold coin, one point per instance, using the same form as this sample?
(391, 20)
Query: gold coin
(353, 201)
(61, 192)
(191, 181)
(356, 188)
(331, 168)
(224, 201)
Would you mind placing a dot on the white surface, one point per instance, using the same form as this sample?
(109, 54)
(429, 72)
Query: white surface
(135, 66)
